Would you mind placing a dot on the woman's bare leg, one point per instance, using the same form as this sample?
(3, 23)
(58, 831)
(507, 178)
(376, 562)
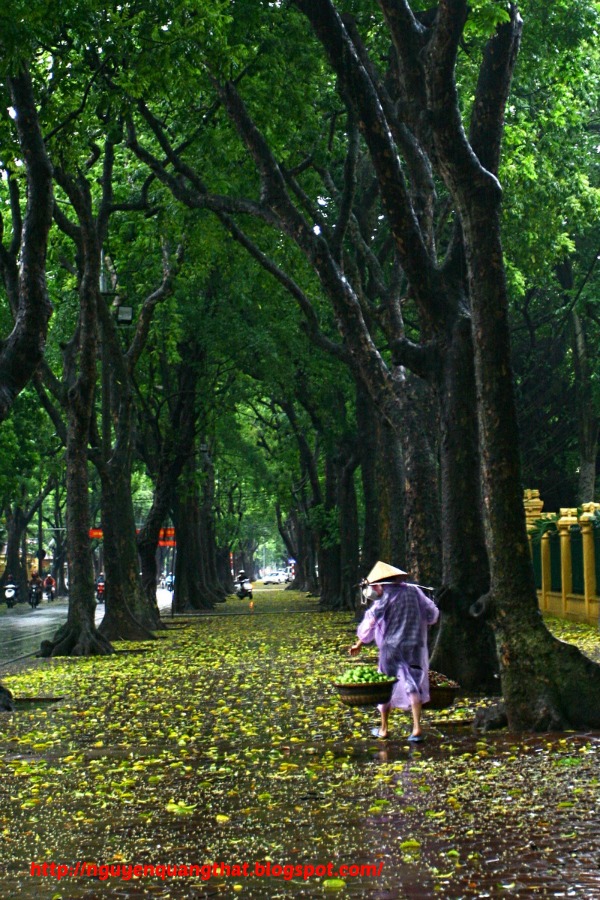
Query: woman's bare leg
(385, 715)
(416, 707)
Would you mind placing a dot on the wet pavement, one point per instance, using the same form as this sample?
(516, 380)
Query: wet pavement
(22, 629)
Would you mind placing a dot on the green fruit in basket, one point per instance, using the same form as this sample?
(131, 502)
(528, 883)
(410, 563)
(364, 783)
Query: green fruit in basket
(364, 675)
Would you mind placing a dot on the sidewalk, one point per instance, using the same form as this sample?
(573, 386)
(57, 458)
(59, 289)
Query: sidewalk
(223, 745)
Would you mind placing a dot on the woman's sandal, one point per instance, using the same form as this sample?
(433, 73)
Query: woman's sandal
(376, 732)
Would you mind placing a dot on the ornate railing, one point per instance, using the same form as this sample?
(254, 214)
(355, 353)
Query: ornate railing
(565, 550)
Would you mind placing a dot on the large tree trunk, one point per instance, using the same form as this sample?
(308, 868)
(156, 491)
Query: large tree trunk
(289, 536)
(188, 592)
(307, 562)
(546, 684)
(128, 615)
(349, 531)
(464, 647)
(128, 612)
(300, 544)
(367, 426)
(401, 502)
(166, 465)
(210, 585)
(224, 570)
(338, 541)
(79, 635)
(419, 509)
(60, 548)
(23, 266)
(16, 565)
(329, 553)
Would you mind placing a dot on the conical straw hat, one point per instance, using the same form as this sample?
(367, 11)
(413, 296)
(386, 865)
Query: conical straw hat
(382, 570)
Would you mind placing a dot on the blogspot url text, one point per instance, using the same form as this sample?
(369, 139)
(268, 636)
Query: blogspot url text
(205, 872)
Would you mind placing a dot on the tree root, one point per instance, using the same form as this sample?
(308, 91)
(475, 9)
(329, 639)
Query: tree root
(6, 700)
(72, 640)
(125, 630)
(491, 717)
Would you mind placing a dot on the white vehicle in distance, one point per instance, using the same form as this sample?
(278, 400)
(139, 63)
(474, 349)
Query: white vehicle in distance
(275, 578)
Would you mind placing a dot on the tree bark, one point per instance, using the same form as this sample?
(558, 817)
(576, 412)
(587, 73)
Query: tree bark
(349, 531)
(368, 442)
(166, 462)
(208, 579)
(328, 541)
(546, 683)
(130, 612)
(128, 615)
(22, 351)
(25, 280)
(16, 523)
(189, 594)
(79, 636)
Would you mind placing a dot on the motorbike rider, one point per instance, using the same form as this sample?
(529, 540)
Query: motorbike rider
(35, 584)
(49, 585)
(100, 588)
(11, 591)
(244, 585)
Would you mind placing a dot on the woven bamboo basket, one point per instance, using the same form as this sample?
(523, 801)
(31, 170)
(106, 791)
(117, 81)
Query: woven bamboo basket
(365, 694)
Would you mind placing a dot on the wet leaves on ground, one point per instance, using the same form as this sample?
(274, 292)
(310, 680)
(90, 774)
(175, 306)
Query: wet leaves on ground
(226, 741)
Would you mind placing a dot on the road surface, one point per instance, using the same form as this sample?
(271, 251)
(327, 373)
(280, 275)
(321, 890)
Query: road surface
(22, 629)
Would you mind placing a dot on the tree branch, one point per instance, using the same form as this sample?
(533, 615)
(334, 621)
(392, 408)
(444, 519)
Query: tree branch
(457, 161)
(149, 305)
(357, 86)
(311, 324)
(495, 75)
(421, 359)
(22, 352)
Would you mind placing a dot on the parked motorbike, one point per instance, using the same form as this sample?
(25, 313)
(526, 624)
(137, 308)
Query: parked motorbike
(244, 589)
(100, 592)
(35, 595)
(10, 594)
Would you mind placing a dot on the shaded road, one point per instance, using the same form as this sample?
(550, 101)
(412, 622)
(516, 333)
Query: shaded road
(22, 629)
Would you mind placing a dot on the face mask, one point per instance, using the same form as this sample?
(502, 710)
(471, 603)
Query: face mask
(370, 593)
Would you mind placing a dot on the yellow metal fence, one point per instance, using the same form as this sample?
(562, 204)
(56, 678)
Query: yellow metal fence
(565, 550)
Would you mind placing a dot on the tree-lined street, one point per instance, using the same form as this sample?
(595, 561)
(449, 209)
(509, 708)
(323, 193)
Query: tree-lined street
(299, 287)
(309, 327)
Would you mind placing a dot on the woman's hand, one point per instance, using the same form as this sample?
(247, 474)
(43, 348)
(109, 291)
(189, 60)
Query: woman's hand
(354, 650)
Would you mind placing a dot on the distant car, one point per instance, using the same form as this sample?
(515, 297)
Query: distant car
(275, 578)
